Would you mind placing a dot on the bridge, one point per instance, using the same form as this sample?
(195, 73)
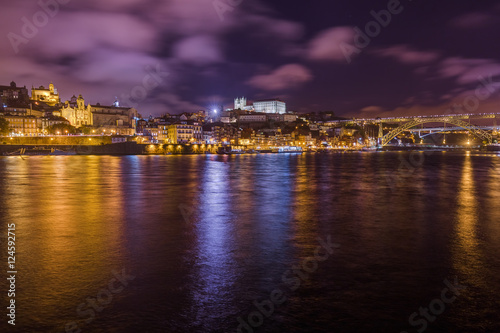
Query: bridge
(408, 123)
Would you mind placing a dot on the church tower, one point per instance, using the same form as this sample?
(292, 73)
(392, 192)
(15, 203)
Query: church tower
(80, 103)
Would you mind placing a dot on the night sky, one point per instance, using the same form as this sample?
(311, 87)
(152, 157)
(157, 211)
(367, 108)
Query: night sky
(432, 55)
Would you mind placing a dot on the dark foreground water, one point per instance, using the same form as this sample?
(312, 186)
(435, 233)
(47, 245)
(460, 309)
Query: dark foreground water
(201, 243)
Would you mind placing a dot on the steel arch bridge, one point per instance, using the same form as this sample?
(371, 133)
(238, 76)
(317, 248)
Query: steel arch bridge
(478, 132)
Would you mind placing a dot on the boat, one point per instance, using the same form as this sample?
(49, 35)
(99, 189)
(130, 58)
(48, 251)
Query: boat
(39, 151)
(57, 152)
(493, 147)
(264, 151)
(290, 149)
(36, 151)
(228, 150)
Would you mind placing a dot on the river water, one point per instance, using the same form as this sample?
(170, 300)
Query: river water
(352, 242)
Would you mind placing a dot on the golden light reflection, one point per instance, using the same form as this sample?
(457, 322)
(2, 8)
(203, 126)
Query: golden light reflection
(305, 224)
(71, 213)
(466, 254)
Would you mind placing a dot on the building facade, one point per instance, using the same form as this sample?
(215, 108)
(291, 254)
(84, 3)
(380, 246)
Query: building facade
(49, 96)
(13, 95)
(77, 113)
(25, 125)
(113, 116)
(240, 103)
(22, 125)
(252, 118)
(270, 106)
(184, 132)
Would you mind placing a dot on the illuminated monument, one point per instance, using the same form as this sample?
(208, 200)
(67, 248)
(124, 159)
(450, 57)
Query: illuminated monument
(75, 111)
(48, 96)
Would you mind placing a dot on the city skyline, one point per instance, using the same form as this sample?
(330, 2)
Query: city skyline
(355, 59)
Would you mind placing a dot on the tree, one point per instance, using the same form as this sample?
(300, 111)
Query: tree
(84, 130)
(4, 126)
(61, 129)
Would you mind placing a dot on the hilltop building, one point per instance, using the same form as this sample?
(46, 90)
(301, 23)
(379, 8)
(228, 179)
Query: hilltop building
(12, 95)
(270, 106)
(241, 104)
(49, 96)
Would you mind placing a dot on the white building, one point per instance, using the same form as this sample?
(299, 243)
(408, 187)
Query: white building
(240, 103)
(270, 106)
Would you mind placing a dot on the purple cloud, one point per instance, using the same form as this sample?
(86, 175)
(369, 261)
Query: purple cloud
(199, 50)
(284, 77)
(330, 44)
(406, 55)
(468, 70)
(473, 20)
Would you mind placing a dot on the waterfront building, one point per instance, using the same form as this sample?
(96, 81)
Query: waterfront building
(208, 135)
(29, 125)
(270, 106)
(150, 133)
(76, 112)
(163, 133)
(22, 125)
(185, 132)
(48, 96)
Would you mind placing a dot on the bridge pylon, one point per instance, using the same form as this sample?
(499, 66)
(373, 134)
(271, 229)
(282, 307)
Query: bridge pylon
(380, 133)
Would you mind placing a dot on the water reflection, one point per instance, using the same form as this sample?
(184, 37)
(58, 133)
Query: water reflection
(250, 219)
(467, 256)
(214, 273)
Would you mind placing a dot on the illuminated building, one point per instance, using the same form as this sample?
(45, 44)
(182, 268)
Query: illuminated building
(49, 96)
(240, 103)
(26, 125)
(22, 125)
(185, 132)
(151, 134)
(221, 133)
(270, 106)
(122, 120)
(75, 111)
